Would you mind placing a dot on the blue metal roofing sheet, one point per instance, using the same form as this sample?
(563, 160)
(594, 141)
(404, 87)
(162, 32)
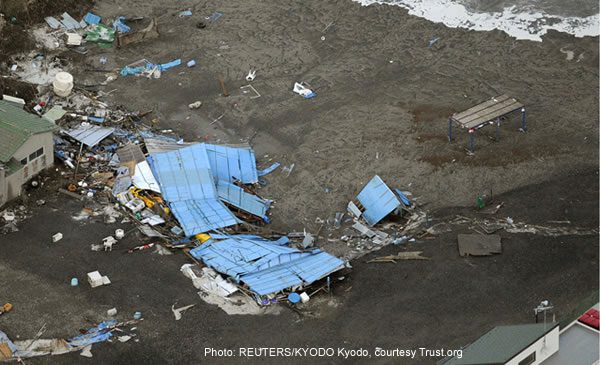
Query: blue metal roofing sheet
(186, 182)
(266, 266)
(378, 200)
(236, 196)
(90, 135)
(306, 269)
(202, 215)
(232, 162)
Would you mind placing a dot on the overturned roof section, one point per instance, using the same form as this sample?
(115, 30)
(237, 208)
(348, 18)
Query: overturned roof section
(16, 126)
(90, 135)
(266, 266)
(186, 182)
(377, 200)
(229, 163)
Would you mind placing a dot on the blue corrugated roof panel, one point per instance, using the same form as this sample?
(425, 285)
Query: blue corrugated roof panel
(304, 270)
(236, 196)
(266, 266)
(228, 163)
(378, 200)
(186, 182)
(199, 216)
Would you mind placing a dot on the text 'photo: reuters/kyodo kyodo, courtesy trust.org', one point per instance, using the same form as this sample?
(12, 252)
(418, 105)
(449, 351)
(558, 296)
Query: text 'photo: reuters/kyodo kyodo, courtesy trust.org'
(331, 352)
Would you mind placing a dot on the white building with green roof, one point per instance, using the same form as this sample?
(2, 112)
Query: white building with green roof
(26, 148)
(524, 344)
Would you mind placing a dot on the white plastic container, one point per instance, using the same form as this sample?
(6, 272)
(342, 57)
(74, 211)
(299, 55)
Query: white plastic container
(63, 84)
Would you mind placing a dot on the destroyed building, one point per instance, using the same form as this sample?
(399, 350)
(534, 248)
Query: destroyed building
(26, 148)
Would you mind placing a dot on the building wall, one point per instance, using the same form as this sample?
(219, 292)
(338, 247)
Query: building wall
(544, 348)
(3, 196)
(33, 163)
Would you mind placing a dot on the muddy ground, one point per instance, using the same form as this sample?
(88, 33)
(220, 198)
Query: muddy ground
(445, 302)
(382, 105)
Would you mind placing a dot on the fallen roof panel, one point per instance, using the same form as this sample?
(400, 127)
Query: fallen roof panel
(90, 135)
(199, 216)
(131, 152)
(236, 196)
(230, 163)
(378, 200)
(157, 145)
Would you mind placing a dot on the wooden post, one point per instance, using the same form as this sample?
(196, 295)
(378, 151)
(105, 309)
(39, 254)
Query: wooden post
(78, 158)
(222, 82)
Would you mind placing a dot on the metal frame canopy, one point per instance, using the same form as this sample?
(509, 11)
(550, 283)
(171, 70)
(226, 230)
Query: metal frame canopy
(486, 113)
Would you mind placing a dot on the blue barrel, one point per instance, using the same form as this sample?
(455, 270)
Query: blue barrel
(294, 298)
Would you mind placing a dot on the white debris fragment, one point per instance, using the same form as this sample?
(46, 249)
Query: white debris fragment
(177, 312)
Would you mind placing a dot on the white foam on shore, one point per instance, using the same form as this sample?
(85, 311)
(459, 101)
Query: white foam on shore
(516, 23)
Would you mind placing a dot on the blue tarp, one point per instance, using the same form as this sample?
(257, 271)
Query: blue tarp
(100, 333)
(378, 200)
(228, 163)
(186, 182)
(119, 25)
(266, 266)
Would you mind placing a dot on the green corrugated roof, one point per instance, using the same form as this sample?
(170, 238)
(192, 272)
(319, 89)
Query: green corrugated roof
(12, 166)
(16, 126)
(502, 343)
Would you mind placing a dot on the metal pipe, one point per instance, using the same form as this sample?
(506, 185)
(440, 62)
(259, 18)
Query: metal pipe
(450, 130)
(523, 121)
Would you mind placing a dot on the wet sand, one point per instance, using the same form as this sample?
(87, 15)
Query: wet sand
(383, 98)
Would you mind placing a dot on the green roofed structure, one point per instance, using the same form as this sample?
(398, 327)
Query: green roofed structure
(525, 344)
(26, 148)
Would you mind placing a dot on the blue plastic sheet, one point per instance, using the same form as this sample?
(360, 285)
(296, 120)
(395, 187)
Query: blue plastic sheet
(92, 18)
(120, 26)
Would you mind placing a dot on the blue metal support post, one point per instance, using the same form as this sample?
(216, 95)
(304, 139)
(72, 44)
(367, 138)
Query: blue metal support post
(497, 129)
(523, 121)
(472, 140)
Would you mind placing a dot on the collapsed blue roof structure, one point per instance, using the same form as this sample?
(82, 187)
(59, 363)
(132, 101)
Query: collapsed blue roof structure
(186, 182)
(378, 200)
(266, 266)
(196, 180)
